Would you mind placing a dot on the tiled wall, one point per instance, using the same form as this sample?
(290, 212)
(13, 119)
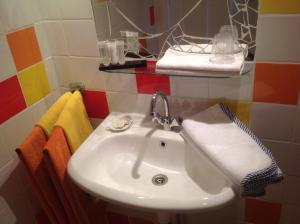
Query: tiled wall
(266, 99)
(275, 115)
(28, 87)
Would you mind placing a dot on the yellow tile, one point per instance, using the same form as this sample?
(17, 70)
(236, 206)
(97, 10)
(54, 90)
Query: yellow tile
(34, 83)
(239, 108)
(279, 6)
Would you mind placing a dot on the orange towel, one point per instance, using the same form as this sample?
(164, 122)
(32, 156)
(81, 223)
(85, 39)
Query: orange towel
(57, 154)
(31, 154)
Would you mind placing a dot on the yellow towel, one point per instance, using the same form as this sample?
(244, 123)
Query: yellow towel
(74, 121)
(48, 120)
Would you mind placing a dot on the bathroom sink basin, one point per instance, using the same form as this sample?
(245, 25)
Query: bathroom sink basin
(147, 168)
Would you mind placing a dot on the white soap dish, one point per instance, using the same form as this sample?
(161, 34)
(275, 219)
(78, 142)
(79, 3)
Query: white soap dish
(121, 123)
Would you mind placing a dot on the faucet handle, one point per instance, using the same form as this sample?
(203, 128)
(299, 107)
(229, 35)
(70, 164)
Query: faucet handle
(157, 120)
(176, 124)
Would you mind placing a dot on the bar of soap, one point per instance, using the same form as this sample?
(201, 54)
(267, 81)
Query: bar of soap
(120, 123)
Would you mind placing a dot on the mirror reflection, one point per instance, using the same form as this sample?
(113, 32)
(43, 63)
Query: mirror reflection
(149, 27)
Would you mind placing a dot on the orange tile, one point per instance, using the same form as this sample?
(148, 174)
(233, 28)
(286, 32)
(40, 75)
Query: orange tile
(24, 48)
(277, 83)
(262, 212)
(281, 6)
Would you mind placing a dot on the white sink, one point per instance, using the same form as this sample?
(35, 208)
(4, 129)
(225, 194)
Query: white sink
(119, 167)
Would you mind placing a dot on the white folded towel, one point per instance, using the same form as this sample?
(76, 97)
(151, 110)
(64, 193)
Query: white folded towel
(233, 148)
(184, 63)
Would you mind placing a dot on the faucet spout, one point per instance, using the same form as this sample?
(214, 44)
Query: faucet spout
(165, 102)
(164, 120)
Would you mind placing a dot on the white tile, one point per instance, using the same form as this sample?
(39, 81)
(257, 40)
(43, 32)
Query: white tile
(49, 9)
(42, 39)
(81, 38)
(126, 102)
(274, 192)
(35, 111)
(63, 70)
(16, 14)
(31, 11)
(236, 88)
(290, 214)
(38, 109)
(273, 121)
(4, 155)
(297, 125)
(287, 156)
(272, 41)
(16, 129)
(7, 65)
(56, 38)
(51, 71)
(9, 178)
(189, 87)
(2, 29)
(76, 9)
(291, 190)
(52, 38)
(292, 159)
(7, 216)
(54, 96)
(121, 82)
(95, 122)
(10, 15)
(86, 71)
(185, 107)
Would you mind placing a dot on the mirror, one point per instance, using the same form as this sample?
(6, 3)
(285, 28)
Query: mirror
(160, 22)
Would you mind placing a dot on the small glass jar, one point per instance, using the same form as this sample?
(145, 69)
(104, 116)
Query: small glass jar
(120, 51)
(105, 57)
(112, 47)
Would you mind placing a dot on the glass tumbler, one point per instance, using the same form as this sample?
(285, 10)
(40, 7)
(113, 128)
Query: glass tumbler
(105, 57)
(120, 51)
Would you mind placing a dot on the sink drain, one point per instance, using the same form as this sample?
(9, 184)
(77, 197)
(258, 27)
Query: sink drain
(159, 179)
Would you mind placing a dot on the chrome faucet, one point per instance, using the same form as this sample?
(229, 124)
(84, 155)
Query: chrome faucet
(165, 120)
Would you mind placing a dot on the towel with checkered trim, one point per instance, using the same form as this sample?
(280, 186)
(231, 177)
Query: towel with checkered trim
(233, 148)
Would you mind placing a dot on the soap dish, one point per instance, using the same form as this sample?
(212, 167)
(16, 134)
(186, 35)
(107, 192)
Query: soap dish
(121, 123)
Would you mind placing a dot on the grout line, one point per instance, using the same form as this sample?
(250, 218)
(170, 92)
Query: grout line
(278, 141)
(277, 62)
(75, 19)
(269, 15)
(275, 104)
(20, 28)
(23, 94)
(31, 66)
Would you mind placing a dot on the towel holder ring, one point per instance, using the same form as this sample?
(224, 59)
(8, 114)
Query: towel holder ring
(73, 86)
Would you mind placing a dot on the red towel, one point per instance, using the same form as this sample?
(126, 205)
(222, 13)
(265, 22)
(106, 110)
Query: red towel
(31, 154)
(76, 202)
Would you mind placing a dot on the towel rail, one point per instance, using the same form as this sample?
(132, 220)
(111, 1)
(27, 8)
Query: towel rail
(73, 86)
